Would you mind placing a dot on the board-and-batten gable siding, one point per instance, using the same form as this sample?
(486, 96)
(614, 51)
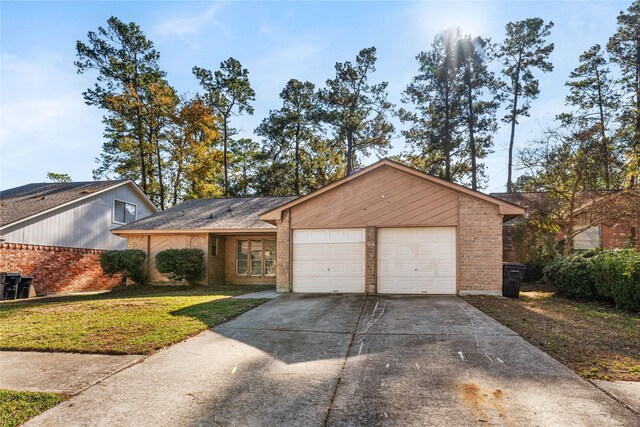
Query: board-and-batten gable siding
(383, 197)
(83, 224)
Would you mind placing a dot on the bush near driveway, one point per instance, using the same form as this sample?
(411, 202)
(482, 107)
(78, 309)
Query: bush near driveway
(128, 263)
(181, 264)
(131, 320)
(16, 407)
(598, 274)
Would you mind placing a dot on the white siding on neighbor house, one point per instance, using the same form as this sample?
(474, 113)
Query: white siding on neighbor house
(587, 239)
(86, 223)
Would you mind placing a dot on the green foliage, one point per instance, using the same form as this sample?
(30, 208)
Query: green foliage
(229, 93)
(571, 275)
(16, 407)
(58, 177)
(524, 50)
(181, 264)
(357, 109)
(617, 276)
(128, 262)
(598, 274)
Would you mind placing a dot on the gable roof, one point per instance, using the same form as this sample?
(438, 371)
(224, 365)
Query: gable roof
(31, 200)
(202, 215)
(506, 208)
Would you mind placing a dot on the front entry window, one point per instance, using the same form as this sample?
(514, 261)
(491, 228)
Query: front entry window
(256, 258)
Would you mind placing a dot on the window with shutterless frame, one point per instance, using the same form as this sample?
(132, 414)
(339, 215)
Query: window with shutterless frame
(256, 257)
(123, 212)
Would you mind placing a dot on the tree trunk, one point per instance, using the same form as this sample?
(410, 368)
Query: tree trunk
(447, 131)
(635, 155)
(514, 116)
(349, 153)
(604, 145)
(297, 156)
(471, 126)
(160, 177)
(224, 156)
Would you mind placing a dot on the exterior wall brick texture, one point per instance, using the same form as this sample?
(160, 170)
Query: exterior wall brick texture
(283, 249)
(371, 254)
(57, 269)
(480, 246)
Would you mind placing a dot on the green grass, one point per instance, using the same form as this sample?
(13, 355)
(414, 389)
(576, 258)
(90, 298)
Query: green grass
(16, 407)
(594, 339)
(133, 320)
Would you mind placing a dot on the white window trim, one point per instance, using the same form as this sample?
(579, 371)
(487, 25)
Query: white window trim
(113, 211)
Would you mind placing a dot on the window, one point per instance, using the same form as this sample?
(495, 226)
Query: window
(242, 258)
(124, 212)
(587, 239)
(269, 257)
(256, 258)
(214, 246)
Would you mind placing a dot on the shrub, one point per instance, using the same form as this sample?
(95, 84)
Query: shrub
(181, 264)
(535, 269)
(128, 262)
(571, 275)
(616, 275)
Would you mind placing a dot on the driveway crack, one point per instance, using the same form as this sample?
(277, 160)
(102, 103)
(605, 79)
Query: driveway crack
(344, 362)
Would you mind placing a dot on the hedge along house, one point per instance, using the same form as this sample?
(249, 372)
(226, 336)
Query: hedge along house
(386, 228)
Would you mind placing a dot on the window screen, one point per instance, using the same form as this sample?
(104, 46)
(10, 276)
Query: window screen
(124, 212)
(242, 258)
(269, 258)
(256, 257)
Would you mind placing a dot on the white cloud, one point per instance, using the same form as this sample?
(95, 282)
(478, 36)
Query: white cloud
(185, 25)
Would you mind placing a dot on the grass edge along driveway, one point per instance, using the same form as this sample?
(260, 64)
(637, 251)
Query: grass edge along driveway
(594, 339)
(16, 407)
(132, 320)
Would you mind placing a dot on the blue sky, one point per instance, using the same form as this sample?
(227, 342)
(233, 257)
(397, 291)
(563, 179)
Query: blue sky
(45, 125)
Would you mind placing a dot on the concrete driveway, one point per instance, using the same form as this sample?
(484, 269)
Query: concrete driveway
(347, 360)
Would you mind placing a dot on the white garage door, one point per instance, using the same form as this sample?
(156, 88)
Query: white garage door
(328, 260)
(417, 260)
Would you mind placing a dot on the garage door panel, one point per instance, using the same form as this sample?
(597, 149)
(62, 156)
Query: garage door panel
(419, 260)
(329, 260)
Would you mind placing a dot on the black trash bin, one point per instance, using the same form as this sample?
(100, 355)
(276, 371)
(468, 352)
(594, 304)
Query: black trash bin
(512, 274)
(9, 285)
(24, 286)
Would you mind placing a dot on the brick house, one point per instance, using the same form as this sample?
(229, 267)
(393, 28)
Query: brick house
(386, 228)
(55, 231)
(613, 233)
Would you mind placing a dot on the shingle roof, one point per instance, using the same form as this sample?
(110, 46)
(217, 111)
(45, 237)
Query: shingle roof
(211, 214)
(30, 199)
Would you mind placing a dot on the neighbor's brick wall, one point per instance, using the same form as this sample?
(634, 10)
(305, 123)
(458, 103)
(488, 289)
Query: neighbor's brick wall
(371, 260)
(56, 269)
(480, 246)
(618, 235)
(283, 249)
(508, 246)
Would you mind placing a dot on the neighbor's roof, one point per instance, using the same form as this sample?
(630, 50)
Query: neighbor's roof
(21, 203)
(208, 215)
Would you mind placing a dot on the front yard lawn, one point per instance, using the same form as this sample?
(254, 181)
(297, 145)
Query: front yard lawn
(593, 339)
(16, 407)
(133, 320)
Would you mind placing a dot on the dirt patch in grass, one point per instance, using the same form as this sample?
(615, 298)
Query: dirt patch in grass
(134, 320)
(16, 407)
(593, 339)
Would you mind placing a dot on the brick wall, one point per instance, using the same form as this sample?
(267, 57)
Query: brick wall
(283, 250)
(371, 261)
(618, 235)
(480, 246)
(508, 246)
(56, 269)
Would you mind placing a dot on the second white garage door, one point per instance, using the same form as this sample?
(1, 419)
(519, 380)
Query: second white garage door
(420, 260)
(327, 261)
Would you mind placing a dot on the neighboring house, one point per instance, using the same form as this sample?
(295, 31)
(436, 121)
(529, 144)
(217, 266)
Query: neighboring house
(614, 233)
(71, 214)
(55, 232)
(386, 228)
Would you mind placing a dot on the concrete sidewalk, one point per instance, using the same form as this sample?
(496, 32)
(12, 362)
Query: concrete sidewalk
(64, 373)
(347, 360)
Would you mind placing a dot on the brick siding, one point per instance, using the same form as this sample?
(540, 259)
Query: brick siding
(618, 235)
(371, 255)
(283, 252)
(480, 246)
(56, 269)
